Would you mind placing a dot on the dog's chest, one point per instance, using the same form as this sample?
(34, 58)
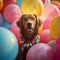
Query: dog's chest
(25, 46)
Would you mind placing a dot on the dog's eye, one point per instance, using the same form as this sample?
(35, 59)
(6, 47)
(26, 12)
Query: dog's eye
(33, 19)
(25, 19)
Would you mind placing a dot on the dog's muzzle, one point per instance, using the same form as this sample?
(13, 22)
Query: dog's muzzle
(29, 25)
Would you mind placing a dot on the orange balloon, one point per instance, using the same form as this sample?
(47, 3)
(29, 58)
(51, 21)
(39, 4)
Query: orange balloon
(1, 4)
(56, 3)
(40, 29)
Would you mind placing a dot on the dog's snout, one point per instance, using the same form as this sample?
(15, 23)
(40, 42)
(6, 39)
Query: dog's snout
(29, 24)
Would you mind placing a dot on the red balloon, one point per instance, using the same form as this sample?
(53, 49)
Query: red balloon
(44, 1)
(15, 30)
(40, 51)
(6, 2)
(45, 36)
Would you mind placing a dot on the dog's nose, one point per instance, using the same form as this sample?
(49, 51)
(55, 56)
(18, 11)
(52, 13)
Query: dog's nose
(29, 24)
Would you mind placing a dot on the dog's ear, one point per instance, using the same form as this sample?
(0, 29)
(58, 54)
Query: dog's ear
(19, 22)
(35, 16)
(39, 21)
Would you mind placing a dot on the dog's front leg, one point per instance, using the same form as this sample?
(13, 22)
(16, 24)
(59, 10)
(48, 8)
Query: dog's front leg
(19, 57)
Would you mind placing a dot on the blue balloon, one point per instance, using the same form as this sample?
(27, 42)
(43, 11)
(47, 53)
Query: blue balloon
(6, 24)
(8, 45)
(1, 19)
(19, 2)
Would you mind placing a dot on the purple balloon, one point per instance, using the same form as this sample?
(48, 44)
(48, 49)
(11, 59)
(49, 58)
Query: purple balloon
(57, 57)
(58, 43)
(1, 19)
(40, 51)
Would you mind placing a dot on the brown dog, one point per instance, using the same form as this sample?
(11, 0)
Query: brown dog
(28, 24)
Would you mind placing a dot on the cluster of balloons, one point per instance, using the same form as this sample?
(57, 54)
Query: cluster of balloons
(10, 12)
(49, 33)
(48, 11)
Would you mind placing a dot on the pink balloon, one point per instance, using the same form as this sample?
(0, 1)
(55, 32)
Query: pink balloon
(45, 36)
(49, 12)
(46, 23)
(40, 51)
(12, 12)
(15, 30)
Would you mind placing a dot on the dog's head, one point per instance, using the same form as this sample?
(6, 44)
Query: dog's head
(29, 24)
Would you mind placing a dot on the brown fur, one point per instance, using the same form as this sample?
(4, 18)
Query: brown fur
(26, 35)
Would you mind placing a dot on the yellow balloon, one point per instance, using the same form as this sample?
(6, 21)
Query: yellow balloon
(32, 7)
(55, 27)
(1, 4)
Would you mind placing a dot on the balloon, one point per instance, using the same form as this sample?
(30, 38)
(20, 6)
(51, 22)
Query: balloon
(56, 0)
(44, 1)
(19, 2)
(45, 36)
(1, 4)
(15, 30)
(6, 2)
(6, 24)
(57, 57)
(53, 45)
(58, 43)
(47, 2)
(55, 27)
(48, 14)
(40, 29)
(58, 48)
(32, 7)
(12, 13)
(56, 3)
(9, 1)
(8, 45)
(1, 19)
(46, 23)
(40, 52)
